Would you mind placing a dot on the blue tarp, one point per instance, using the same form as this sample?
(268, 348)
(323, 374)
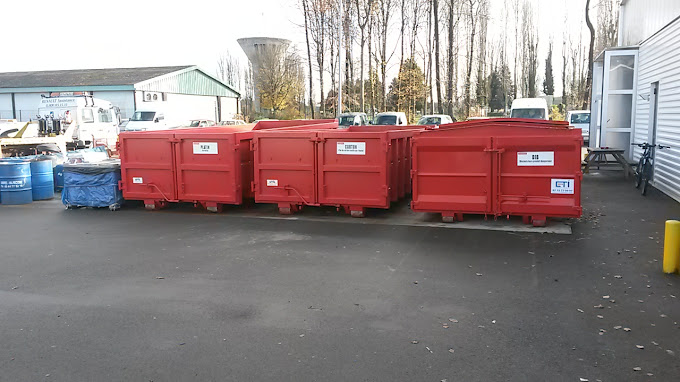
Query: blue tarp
(91, 186)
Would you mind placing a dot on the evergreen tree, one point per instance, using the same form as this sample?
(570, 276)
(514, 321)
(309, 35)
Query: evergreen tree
(548, 83)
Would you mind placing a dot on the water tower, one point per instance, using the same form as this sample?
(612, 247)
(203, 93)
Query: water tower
(254, 47)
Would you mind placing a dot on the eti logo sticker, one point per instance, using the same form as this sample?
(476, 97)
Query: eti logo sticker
(562, 186)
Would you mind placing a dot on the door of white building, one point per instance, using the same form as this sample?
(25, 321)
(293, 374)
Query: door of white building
(619, 90)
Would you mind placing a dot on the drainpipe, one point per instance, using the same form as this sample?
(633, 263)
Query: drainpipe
(14, 108)
(622, 12)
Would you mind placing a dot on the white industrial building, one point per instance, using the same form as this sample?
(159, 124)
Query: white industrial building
(187, 90)
(636, 88)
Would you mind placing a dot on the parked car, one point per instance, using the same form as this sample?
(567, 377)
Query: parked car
(580, 119)
(531, 108)
(232, 122)
(435, 119)
(201, 123)
(396, 118)
(352, 119)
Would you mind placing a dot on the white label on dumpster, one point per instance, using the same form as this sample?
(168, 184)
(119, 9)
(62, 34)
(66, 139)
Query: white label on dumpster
(351, 148)
(205, 147)
(137, 180)
(536, 158)
(272, 182)
(562, 186)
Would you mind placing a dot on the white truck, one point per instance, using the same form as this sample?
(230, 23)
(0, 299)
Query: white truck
(531, 108)
(67, 121)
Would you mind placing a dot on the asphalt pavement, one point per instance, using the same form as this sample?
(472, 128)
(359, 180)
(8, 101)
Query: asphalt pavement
(184, 295)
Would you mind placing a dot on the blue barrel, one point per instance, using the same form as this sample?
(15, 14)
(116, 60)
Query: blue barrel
(15, 182)
(58, 177)
(42, 179)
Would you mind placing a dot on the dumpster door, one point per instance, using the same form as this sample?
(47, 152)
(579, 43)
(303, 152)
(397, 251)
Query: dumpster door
(538, 175)
(452, 173)
(208, 168)
(285, 165)
(353, 169)
(147, 166)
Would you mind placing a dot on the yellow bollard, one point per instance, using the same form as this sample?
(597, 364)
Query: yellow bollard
(671, 247)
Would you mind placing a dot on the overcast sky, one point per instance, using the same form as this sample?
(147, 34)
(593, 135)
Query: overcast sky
(76, 34)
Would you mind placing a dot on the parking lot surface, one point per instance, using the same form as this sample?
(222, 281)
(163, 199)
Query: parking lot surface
(94, 295)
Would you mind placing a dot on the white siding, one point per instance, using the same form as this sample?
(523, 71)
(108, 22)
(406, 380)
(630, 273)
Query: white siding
(6, 106)
(658, 62)
(27, 105)
(642, 18)
(124, 99)
(182, 108)
(228, 107)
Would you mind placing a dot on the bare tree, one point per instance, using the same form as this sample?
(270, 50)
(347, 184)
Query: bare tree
(564, 65)
(229, 70)
(305, 9)
(607, 24)
(383, 24)
(318, 31)
(589, 77)
(435, 8)
(364, 9)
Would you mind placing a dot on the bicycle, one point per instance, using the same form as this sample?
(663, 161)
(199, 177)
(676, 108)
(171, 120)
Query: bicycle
(643, 170)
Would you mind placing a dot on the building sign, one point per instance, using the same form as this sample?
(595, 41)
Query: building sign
(205, 147)
(562, 186)
(536, 158)
(351, 148)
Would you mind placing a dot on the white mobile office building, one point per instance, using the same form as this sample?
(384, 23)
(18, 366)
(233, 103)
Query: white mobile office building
(636, 88)
(187, 90)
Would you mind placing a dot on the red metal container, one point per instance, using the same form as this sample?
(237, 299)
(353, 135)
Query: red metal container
(353, 169)
(213, 167)
(498, 167)
(148, 167)
(205, 166)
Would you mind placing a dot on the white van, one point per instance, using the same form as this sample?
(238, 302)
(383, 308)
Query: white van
(147, 120)
(531, 108)
(396, 118)
(580, 119)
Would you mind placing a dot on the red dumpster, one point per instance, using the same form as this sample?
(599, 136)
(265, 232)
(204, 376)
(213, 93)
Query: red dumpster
(353, 169)
(205, 166)
(147, 167)
(498, 167)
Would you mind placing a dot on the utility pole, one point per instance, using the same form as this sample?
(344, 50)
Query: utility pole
(340, 55)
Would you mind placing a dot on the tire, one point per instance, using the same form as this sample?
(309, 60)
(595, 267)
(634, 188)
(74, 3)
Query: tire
(638, 174)
(645, 179)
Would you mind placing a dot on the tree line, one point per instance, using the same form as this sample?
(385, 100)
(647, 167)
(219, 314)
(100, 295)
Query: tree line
(443, 56)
